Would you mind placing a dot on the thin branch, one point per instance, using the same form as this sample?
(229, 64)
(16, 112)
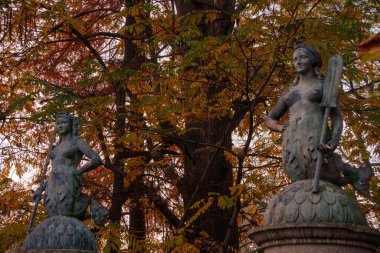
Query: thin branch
(194, 142)
(103, 146)
(162, 206)
(90, 47)
(55, 28)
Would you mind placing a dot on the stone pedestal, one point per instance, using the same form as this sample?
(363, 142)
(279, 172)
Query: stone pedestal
(57, 251)
(316, 237)
(330, 221)
(60, 234)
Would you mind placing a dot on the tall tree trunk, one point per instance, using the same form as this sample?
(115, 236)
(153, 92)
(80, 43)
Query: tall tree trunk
(137, 228)
(118, 198)
(211, 164)
(132, 61)
(214, 221)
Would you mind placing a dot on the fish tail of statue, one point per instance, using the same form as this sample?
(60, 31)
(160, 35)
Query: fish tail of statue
(329, 100)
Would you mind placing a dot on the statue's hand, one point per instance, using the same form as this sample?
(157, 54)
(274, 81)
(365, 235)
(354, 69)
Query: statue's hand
(285, 126)
(332, 144)
(325, 148)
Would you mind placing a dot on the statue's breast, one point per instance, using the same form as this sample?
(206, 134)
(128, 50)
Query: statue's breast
(293, 97)
(313, 95)
(63, 151)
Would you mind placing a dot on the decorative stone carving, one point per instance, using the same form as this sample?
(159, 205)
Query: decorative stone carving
(297, 203)
(65, 203)
(314, 215)
(58, 233)
(301, 145)
(63, 191)
(298, 220)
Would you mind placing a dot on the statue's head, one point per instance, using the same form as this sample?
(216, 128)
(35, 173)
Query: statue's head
(313, 54)
(315, 62)
(66, 123)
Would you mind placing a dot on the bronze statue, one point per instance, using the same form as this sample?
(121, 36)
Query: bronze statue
(301, 133)
(63, 190)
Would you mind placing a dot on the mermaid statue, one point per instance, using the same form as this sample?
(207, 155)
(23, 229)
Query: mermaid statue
(302, 131)
(63, 189)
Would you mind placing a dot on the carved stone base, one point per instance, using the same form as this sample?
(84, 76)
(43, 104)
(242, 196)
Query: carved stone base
(296, 203)
(57, 251)
(316, 237)
(60, 234)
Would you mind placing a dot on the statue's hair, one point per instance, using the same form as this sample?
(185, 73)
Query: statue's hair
(73, 122)
(316, 60)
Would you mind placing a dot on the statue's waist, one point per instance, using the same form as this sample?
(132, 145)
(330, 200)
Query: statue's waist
(315, 120)
(63, 169)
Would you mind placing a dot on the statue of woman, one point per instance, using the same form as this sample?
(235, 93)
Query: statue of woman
(301, 133)
(63, 194)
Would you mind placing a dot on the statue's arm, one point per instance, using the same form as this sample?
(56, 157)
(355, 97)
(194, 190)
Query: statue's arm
(272, 120)
(337, 127)
(95, 159)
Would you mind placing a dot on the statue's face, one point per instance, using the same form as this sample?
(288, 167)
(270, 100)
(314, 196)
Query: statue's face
(64, 125)
(302, 61)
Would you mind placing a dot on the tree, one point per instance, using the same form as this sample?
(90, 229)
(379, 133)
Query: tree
(173, 96)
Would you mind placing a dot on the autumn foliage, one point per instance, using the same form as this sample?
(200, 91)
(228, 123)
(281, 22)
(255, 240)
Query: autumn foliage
(172, 95)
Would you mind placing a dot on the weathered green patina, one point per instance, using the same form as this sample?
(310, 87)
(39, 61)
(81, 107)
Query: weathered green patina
(302, 132)
(65, 203)
(297, 203)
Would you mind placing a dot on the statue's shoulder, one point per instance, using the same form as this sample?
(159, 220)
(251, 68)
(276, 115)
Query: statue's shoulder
(80, 141)
(82, 144)
(52, 152)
